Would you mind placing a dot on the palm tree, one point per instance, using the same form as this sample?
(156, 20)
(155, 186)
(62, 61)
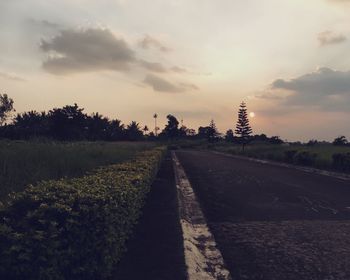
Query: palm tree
(133, 131)
(145, 129)
(155, 116)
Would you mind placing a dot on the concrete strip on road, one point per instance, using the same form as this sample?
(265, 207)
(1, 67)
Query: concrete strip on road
(203, 259)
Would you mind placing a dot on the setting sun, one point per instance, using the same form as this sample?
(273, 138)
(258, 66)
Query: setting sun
(252, 114)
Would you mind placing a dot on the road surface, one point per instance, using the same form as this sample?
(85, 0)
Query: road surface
(273, 222)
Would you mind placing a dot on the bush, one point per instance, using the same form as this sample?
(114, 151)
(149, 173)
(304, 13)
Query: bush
(77, 228)
(289, 155)
(341, 162)
(305, 158)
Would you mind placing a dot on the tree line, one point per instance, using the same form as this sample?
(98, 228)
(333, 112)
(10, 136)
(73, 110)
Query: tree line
(71, 123)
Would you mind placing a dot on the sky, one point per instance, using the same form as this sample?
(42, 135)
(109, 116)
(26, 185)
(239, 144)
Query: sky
(196, 59)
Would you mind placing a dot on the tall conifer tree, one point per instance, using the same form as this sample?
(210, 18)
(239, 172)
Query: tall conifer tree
(243, 129)
(213, 134)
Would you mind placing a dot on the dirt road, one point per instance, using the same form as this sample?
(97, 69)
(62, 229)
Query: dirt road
(273, 222)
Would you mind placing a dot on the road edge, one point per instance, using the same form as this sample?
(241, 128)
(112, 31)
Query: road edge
(203, 259)
(341, 176)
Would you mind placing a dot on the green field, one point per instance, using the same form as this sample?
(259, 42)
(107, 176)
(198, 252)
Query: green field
(323, 153)
(23, 163)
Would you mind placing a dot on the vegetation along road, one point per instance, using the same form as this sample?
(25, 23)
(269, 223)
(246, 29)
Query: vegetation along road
(273, 222)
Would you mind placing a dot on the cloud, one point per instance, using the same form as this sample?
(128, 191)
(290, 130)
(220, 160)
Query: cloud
(94, 49)
(153, 66)
(330, 38)
(162, 85)
(268, 94)
(10, 76)
(177, 69)
(86, 50)
(339, 1)
(189, 86)
(325, 88)
(44, 23)
(150, 42)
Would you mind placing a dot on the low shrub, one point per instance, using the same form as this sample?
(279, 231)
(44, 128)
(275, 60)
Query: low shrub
(341, 162)
(74, 228)
(305, 158)
(289, 155)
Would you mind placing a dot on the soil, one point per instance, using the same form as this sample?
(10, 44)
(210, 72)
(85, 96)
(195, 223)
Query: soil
(273, 222)
(155, 251)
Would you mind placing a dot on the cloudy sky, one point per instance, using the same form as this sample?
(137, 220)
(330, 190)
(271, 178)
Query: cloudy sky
(196, 59)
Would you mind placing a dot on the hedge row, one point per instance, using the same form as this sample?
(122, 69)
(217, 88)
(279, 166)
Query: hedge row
(77, 228)
(340, 161)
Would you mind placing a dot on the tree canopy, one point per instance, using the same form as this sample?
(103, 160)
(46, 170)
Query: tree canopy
(6, 107)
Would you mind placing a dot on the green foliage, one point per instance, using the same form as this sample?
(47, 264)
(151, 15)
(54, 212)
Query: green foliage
(23, 163)
(341, 162)
(289, 155)
(322, 156)
(305, 158)
(74, 228)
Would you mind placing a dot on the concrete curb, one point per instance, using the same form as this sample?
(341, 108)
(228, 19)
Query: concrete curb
(202, 257)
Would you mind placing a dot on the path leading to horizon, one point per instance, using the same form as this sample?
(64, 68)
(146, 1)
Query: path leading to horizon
(273, 222)
(155, 251)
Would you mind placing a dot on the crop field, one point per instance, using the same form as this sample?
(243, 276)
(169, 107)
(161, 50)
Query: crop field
(23, 163)
(319, 156)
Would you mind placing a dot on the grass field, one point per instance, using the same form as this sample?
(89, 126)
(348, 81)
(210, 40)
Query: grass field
(323, 153)
(23, 163)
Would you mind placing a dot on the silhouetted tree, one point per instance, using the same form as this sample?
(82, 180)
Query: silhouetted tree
(243, 129)
(182, 131)
(312, 142)
(190, 132)
(97, 127)
(171, 130)
(212, 132)
(134, 132)
(275, 140)
(203, 132)
(156, 128)
(340, 141)
(260, 138)
(31, 124)
(116, 130)
(68, 123)
(6, 107)
(229, 136)
(145, 129)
